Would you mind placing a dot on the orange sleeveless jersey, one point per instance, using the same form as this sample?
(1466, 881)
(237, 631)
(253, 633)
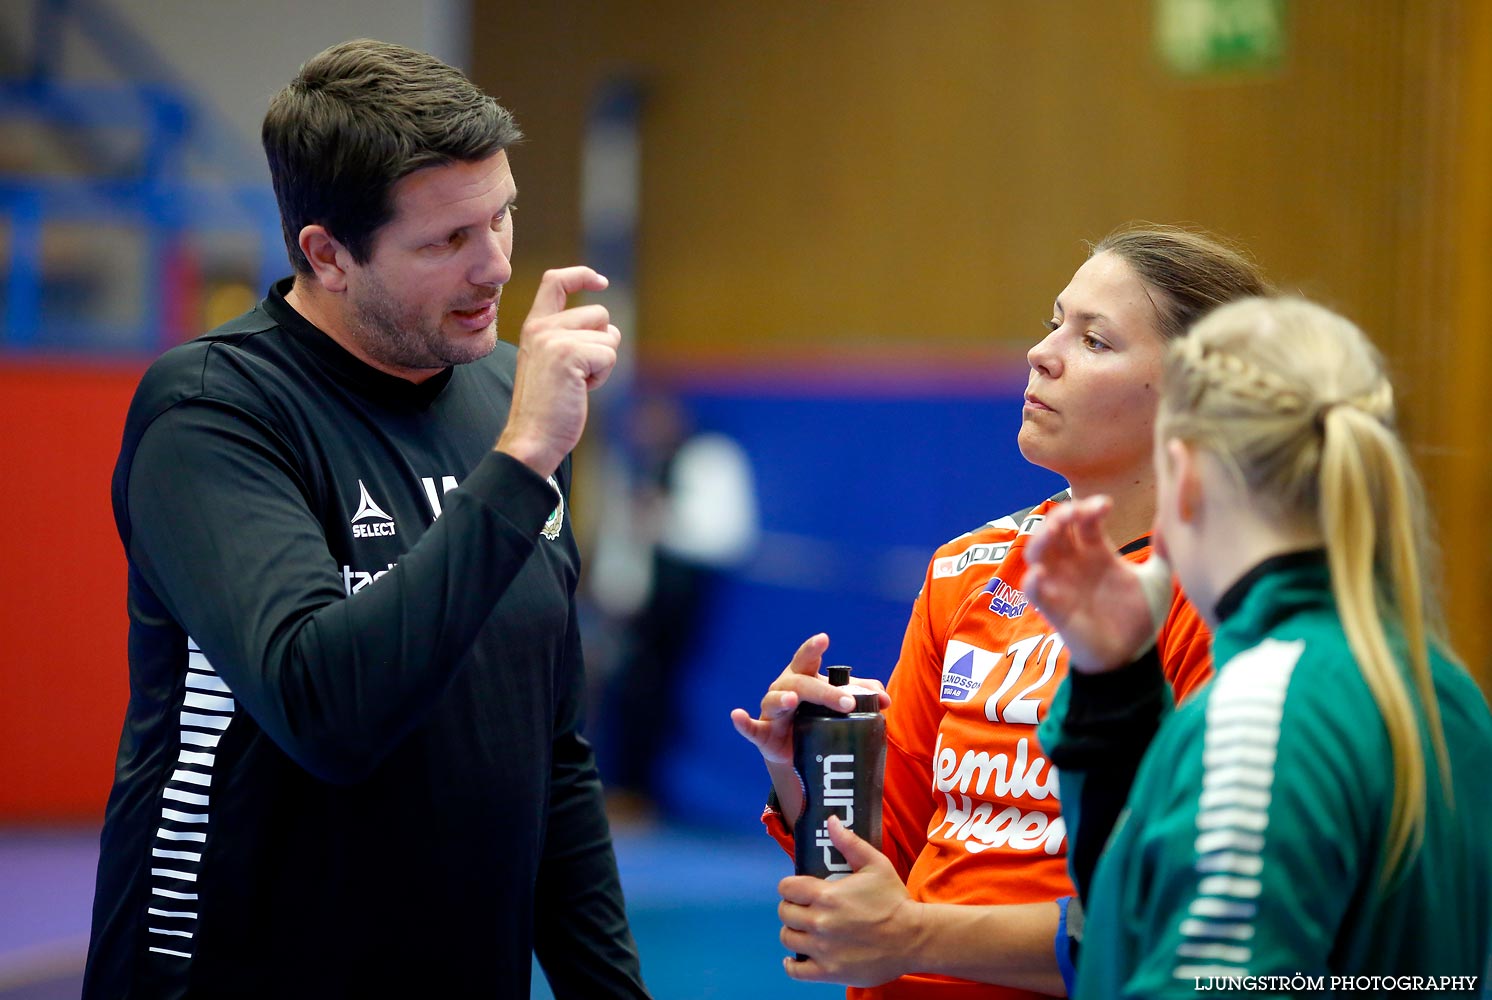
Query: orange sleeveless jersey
(971, 810)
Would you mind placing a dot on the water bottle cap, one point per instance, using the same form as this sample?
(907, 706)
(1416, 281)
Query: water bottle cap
(866, 699)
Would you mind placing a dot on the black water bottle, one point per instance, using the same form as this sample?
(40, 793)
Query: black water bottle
(841, 760)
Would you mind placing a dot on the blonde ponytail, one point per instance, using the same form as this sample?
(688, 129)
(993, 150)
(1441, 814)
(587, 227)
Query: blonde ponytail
(1367, 500)
(1292, 398)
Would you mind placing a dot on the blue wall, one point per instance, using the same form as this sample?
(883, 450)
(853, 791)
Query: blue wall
(865, 483)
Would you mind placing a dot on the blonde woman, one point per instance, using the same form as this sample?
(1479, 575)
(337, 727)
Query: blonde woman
(1317, 816)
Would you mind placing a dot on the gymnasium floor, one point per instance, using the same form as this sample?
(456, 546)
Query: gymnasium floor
(702, 904)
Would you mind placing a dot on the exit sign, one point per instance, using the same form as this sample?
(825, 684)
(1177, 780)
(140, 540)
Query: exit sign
(1204, 37)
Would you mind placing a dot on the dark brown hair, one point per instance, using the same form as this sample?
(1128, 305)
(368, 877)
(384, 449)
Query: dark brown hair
(1193, 270)
(357, 118)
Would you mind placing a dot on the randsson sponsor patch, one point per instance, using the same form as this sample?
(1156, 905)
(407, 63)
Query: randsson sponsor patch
(964, 668)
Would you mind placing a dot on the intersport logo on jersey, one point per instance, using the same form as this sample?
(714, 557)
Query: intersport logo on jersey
(1005, 600)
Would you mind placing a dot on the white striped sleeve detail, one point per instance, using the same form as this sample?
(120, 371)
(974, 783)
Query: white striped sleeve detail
(1239, 752)
(160, 852)
(1239, 749)
(196, 835)
(1234, 795)
(1237, 774)
(206, 711)
(1236, 819)
(190, 798)
(1217, 951)
(211, 702)
(172, 894)
(1231, 863)
(1244, 718)
(207, 682)
(200, 739)
(172, 914)
(1205, 906)
(1229, 840)
(1227, 885)
(192, 777)
(1194, 928)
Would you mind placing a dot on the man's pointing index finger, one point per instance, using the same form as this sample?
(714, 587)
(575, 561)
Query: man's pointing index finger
(562, 282)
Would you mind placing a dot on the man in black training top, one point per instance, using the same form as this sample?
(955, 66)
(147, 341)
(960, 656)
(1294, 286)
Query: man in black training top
(351, 764)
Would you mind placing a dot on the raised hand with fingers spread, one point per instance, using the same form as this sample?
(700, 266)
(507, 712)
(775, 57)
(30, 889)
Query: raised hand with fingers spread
(1107, 608)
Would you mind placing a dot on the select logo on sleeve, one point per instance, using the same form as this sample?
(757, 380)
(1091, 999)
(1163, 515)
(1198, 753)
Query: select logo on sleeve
(370, 521)
(964, 668)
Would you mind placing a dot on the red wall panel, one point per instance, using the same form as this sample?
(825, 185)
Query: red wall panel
(63, 674)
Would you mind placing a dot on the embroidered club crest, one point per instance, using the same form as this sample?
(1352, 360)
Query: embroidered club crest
(556, 519)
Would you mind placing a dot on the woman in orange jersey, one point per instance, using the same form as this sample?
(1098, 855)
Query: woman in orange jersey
(969, 896)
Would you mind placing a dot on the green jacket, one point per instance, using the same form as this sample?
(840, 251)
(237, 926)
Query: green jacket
(1247, 857)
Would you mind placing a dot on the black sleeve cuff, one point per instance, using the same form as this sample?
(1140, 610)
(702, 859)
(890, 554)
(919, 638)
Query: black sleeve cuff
(523, 497)
(1116, 710)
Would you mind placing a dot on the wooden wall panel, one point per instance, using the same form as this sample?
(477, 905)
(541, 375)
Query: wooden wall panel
(878, 177)
(1453, 402)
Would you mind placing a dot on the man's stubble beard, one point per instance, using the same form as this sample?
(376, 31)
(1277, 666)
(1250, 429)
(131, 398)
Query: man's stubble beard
(399, 337)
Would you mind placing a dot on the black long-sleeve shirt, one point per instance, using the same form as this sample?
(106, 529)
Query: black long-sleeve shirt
(351, 763)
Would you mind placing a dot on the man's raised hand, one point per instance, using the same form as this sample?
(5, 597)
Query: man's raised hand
(562, 355)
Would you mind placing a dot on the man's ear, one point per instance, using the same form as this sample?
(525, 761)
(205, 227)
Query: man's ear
(329, 259)
(1187, 472)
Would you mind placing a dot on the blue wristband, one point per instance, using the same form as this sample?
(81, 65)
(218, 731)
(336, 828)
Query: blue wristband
(1063, 946)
